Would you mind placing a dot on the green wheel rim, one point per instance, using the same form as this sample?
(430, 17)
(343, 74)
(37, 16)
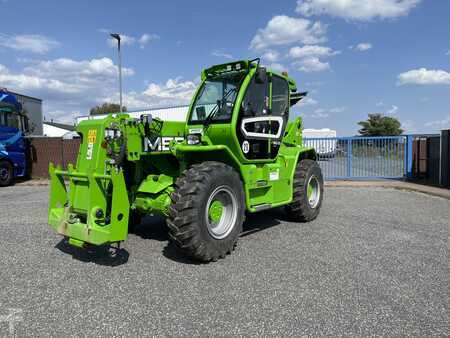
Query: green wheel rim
(310, 190)
(313, 192)
(221, 212)
(215, 211)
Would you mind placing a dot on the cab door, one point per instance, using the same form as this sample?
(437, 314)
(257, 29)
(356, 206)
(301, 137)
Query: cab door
(263, 116)
(279, 107)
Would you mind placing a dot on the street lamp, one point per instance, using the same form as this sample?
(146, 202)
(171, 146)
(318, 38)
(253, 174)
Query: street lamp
(117, 37)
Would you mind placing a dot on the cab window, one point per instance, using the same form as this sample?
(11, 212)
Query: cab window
(216, 98)
(2, 118)
(280, 96)
(25, 125)
(255, 102)
(13, 120)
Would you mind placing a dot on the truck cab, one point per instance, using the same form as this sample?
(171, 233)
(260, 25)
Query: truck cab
(13, 145)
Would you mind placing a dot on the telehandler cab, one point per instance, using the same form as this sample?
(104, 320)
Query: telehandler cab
(237, 152)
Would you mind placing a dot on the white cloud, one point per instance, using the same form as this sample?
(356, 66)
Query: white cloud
(310, 51)
(64, 84)
(271, 56)
(174, 89)
(362, 47)
(278, 67)
(448, 53)
(283, 30)
(392, 111)
(307, 101)
(337, 110)
(129, 40)
(322, 113)
(312, 64)
(146, 38)
(28, 43)
(309, 57)
(221, 54)
(424, 76)
(63, 116)
(70, 88)
(124, 40)
(439, 124)
(319, 113)
(357, 10)
(63, 76)
(409, 127)
(173, 92)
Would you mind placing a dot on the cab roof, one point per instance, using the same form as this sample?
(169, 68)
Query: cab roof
(8, 100)
(244, 65)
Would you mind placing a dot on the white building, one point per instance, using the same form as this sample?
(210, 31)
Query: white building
(176, 113)
(322, 140)
(54, 129)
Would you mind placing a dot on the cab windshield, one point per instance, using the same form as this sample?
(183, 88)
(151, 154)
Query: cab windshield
(11, 119)
(216, 98)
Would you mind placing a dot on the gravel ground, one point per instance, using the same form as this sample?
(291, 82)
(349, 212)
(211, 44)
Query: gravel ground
(375, 262)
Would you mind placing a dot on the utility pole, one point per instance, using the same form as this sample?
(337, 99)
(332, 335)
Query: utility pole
(117, 37)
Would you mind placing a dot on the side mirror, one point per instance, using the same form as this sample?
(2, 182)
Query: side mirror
(25, 125)
(261, 75)
(262, 128)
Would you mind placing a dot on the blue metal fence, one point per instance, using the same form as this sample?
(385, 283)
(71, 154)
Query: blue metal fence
(362, 157)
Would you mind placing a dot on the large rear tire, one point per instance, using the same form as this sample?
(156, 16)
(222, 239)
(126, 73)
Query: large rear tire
(6, 173)
(207, 211)
(308, 192)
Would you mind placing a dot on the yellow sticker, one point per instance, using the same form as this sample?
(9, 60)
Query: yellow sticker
(92, 135)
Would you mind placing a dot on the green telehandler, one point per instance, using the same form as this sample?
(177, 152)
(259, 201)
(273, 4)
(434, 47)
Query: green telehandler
(237, 153)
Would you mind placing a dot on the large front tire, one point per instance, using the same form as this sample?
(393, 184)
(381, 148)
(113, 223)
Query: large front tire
(6, 173)
(207, 211)
(308, 192)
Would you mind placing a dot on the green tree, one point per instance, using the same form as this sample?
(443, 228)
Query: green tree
(106, 108)
(380, 125)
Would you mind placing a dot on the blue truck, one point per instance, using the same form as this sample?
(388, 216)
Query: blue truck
(14, 146)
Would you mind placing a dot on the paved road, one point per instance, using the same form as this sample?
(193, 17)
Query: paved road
(376, 262)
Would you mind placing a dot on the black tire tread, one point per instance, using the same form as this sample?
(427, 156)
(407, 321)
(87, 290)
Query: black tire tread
(10, 180)
(183, 213)
(298, 209)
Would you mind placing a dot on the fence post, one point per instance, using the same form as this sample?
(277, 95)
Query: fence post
(444, 171)
(349, 158)
(409, 156)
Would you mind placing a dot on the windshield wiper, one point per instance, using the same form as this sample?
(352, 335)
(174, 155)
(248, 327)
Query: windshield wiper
(214, 111)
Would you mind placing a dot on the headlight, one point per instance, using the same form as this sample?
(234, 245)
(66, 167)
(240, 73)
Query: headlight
(112, 133)
(193, 139)
(109, 133)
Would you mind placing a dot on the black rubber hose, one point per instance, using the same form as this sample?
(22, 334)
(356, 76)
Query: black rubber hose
(120, 159)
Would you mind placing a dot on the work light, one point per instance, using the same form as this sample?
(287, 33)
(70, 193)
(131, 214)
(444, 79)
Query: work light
(193, 139)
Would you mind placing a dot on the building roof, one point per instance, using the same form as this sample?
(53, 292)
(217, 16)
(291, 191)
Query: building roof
(25, 96)
(60, 125)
